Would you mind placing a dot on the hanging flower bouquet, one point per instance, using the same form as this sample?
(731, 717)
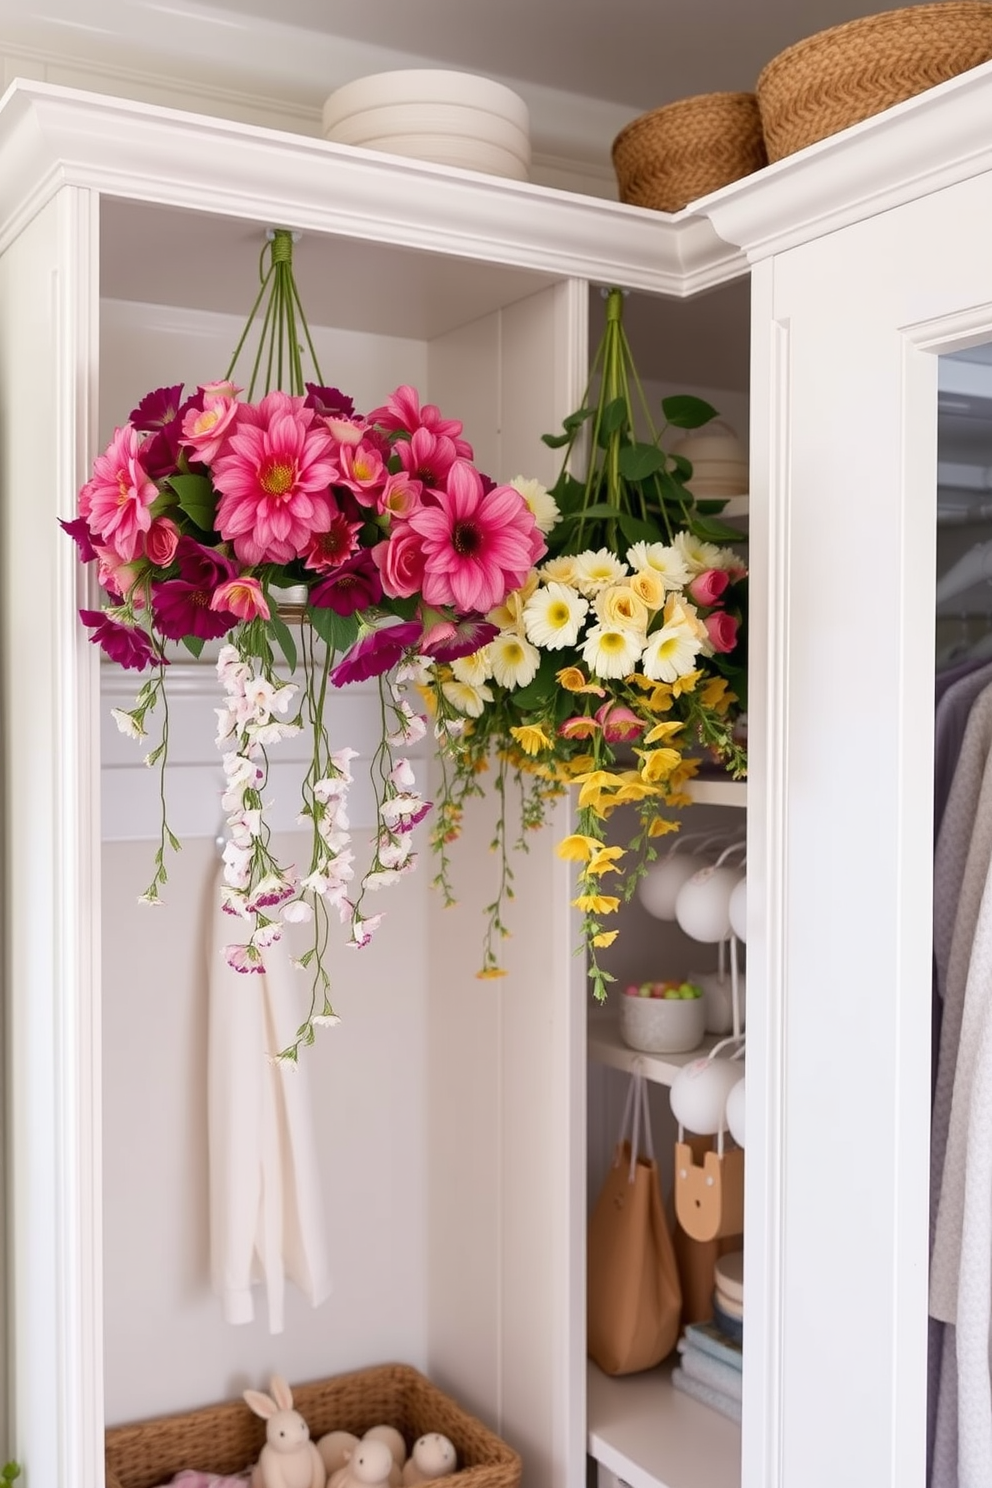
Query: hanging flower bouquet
(206, 512)
(617, 666)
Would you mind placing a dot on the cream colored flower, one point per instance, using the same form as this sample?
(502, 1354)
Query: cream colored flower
(509, 615)
(649, 587)
(667, 562)
(553, 616)
(696, 554)
(514, 660)
(466, 698)
(473, 669)
(678, 611)
(619, 605)
(541, 503)
(561, 570)
(670, 652)
(612, 651)
(594, 570)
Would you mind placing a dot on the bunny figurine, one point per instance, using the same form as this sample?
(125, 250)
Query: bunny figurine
(335, 1447)
(289, 1458)
(433, 1456)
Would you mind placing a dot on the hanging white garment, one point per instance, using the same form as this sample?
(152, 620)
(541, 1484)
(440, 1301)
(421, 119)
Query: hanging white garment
(266, 1209)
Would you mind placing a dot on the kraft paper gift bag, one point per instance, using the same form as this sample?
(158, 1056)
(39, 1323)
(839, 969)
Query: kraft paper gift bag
(634, 1299)
(697, 1258)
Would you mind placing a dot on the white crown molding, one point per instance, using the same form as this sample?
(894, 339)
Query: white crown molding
(52, 136)
(934, 140)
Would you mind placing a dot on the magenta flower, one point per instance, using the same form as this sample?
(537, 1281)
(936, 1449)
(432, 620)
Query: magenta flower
(722, 630)
(477, 545)
(619, 723)
(707, 587)
(376, 653)
(114, 502)
(157, 409)
(274, 477)
(329, 400)
(160, 414)
(427, 457)
(400, 560)
(328, 550)
(182, 606)
(403, 413)
(355, 585)
(447, 640)
(242, 597)
(81, 536)
(126, 645)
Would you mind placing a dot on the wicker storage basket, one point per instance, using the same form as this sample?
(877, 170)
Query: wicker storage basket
(841, 76)
(228, 1438)
(678, 153)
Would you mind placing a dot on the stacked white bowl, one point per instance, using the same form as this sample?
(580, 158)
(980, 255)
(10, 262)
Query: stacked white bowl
(452, 118)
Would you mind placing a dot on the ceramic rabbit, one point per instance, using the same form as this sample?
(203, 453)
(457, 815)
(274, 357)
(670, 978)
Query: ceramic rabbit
(289, 1458)
(370, 1465)
(433, 1456)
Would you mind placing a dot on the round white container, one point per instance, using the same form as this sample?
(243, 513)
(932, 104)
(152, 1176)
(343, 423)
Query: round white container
(719, 464)
(451, 118)
(662, 1025)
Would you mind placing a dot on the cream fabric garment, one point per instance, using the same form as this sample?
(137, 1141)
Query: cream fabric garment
(266, 1208)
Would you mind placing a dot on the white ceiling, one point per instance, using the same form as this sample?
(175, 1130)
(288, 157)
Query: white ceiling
(641, 53)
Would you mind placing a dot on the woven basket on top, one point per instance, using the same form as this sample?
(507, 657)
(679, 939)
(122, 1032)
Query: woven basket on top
(682, 151)
(841, 76)
(228, 1438)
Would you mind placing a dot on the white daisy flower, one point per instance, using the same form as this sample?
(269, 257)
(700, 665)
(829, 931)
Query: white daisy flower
(561, 570)
(670, 652)
(466, 698)
(668, 562)
(612, 651)
(553, 616)
(474, 669)
(696, 554)
(514, 660)
(540, 502)
(593, 571)
(127, 723)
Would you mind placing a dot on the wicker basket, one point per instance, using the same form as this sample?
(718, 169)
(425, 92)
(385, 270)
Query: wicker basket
(228, 1438)
(841, 76)
(682, 151)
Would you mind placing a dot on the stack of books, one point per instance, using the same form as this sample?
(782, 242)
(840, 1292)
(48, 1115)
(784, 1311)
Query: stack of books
(710, 1368)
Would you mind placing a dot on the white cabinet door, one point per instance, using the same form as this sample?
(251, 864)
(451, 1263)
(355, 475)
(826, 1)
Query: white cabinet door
(846, 328)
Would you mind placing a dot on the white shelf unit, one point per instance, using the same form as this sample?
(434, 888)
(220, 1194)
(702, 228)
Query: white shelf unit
(607, 1047)
(650, 1435)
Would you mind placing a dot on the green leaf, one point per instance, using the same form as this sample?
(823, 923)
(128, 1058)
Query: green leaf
(600, 511)
(711, 530)
(638, 461)
(340, 632)
(193, 644)
(542, 691)
(634, 530)
(614, 416)
(681, 467)
(673, 490)
(577, 419)
(284, 639)
(686, 412)
(406, 609)
(555, 441)
(197, 498)
(568, 493)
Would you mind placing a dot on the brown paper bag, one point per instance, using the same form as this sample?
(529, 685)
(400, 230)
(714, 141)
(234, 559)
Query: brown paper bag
(634, 1300)
(697, 1258)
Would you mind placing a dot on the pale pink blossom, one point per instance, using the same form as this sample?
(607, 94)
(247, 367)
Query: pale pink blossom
(161, 541)
(400, 560)
(362, 929)
(361, 471)
(297, 912)
(243, 958)
(402, 411)
(115, 502)
(400, 495)
(206, 429)
(707, 587)
(115, 574)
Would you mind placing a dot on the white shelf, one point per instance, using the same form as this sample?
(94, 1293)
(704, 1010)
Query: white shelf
(718, 792)
(652, 1436)
(607, 1047)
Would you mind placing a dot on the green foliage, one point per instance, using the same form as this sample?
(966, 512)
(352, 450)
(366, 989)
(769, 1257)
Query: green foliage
(197, 498)
(338, 632)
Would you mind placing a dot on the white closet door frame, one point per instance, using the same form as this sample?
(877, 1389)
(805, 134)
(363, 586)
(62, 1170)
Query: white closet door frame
(845, 331)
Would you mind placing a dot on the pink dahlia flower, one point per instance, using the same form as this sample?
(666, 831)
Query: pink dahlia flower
(427, 457)
(477, 545)
(403, 413)
(273, 477)
(328, 550)
(115, 502)
(205, 429)
(242, 597)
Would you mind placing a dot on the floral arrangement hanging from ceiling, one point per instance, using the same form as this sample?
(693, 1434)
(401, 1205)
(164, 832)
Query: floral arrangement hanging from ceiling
(216, 517)
(618, 667)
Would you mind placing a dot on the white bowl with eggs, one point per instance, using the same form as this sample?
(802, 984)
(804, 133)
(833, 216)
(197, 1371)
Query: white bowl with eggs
(662, 1025)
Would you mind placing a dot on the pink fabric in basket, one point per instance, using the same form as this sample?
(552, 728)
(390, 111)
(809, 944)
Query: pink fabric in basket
(190, 1478)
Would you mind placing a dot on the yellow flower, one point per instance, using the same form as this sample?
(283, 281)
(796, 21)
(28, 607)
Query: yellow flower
(604, 861)
(686, 683)
(573, 679)
(597, 903)
(531, 737)
(593, 783)
(605, 938)
(716, 695)
(638, 679)
(509, 615)
(662, 731)
(619, 605)
(490, 974)
(636, 790)
(658, 764)
(577, 848)
(649, 587)
(661, 826)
